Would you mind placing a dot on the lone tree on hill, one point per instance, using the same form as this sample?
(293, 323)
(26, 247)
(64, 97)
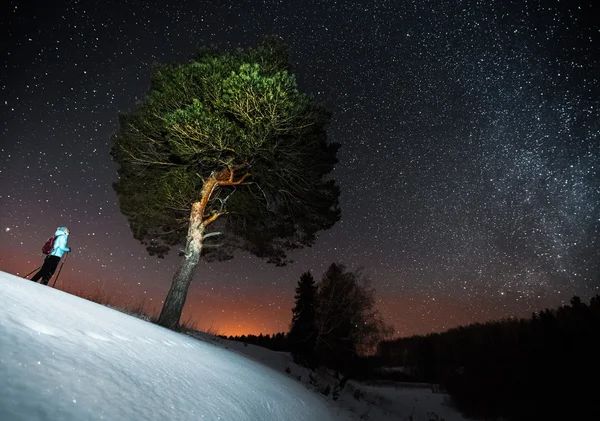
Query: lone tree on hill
(303, 331)
(225, 147)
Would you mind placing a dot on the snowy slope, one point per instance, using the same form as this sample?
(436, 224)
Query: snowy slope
(65, 358)
(356, 401)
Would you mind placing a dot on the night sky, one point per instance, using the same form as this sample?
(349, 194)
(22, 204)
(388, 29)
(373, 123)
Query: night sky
(469, 167)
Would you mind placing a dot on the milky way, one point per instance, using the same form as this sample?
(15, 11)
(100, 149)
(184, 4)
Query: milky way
(469, 167)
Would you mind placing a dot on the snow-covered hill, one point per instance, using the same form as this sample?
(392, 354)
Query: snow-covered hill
(66, 358)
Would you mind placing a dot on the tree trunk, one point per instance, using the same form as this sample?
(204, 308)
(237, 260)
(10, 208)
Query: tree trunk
(173, 306)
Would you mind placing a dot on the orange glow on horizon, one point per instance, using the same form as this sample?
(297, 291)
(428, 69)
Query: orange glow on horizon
(221, 312)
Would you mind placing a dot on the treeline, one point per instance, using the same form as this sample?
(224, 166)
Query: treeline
(276, 342)
(543, 368)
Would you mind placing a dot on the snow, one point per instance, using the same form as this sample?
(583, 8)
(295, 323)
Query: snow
(66, 358)
(356, 401)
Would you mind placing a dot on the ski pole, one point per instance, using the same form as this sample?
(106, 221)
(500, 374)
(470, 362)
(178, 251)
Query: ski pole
(61, 265)
(31, 272)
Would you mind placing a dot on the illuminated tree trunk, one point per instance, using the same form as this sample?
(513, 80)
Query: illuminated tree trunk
(173, 306)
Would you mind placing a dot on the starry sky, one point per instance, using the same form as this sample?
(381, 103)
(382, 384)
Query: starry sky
(469, 167)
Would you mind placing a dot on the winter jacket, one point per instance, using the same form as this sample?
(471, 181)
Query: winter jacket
(60, 244)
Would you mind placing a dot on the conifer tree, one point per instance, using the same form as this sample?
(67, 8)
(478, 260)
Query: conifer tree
(225, 148)
(303, 331)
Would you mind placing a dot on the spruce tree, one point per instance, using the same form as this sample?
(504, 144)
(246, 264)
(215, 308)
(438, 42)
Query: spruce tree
(303, 331)
(225, 153)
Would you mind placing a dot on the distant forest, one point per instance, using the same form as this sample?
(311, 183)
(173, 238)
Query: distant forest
(276, 342)
(543, 368)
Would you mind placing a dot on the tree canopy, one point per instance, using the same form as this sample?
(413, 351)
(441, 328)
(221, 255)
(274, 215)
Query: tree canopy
(237, 117)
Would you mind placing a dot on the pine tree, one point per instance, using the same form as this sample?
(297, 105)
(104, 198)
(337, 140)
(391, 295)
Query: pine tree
(225, 147)
(303, 331)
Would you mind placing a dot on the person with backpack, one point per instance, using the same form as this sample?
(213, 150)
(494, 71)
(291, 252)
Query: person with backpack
(54, 248)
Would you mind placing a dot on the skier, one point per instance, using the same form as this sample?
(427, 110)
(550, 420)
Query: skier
(51, 262)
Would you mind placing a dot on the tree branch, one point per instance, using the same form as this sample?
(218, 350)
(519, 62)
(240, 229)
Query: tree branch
(211, 219)
(230, 182)
(211, 234)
